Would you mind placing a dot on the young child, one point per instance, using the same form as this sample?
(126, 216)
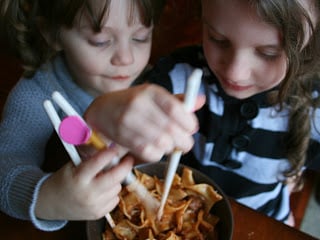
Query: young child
(83, 49)
(259, 128)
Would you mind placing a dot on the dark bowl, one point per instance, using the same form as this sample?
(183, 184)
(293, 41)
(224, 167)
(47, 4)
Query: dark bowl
(222, 209)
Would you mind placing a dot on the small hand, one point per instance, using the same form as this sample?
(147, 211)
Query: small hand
(85, 192)
(146, 119)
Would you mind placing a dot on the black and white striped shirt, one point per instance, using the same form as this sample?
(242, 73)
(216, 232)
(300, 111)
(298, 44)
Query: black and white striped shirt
(241, 143)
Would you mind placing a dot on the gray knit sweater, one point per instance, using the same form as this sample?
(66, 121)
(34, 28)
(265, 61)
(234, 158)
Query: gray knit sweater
(24, 131)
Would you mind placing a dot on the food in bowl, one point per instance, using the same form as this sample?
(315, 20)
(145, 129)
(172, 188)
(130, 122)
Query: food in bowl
(221, 209)
(186, 213)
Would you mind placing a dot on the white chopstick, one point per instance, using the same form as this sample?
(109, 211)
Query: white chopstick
(55, 120)
(193, 85)
(64, 105)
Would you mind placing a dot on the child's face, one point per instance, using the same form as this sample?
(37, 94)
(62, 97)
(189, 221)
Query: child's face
(111, 59)
(244, 52)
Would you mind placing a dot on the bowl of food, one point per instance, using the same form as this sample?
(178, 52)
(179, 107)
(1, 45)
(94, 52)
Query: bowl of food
(196, 209)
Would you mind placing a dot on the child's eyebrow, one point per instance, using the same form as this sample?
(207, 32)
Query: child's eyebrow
(211, 27)
(206, 22)
(277, 47)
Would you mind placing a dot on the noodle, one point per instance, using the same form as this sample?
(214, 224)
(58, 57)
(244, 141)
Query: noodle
(186, 213)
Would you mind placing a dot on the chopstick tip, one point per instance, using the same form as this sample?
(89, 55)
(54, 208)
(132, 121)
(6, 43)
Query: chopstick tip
(160, 213)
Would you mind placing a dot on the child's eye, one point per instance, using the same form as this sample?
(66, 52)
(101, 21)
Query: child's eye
(213, 39)
(100, 43)
(142, 39)
(216, 39)
(220, 42)
(269, 55)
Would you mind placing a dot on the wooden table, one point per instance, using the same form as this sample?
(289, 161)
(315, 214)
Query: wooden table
(248, 224)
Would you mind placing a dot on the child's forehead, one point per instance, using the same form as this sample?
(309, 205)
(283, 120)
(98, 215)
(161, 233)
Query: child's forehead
(101, 11)
(310, 6)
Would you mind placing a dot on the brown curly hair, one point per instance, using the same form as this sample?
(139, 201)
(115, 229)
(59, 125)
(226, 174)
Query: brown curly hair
(295, 92)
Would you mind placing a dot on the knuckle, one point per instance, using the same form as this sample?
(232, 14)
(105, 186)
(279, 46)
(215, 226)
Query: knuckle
(165, 143)
(151, 154)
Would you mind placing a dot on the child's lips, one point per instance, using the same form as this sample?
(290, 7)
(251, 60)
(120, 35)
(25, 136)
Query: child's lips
(121, 77)
(235, 87)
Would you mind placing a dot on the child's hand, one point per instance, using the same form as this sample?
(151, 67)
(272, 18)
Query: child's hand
(85, 192)
(146, 119)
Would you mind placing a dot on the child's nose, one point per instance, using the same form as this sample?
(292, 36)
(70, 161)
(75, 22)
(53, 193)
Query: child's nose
(238, 68)
(122, 55)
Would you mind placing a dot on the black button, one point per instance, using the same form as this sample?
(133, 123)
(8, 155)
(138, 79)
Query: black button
(240, 142)
(232, 164)
(249, 110)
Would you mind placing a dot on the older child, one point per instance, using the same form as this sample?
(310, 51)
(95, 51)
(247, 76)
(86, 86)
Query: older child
(259, 128)
(82, 49)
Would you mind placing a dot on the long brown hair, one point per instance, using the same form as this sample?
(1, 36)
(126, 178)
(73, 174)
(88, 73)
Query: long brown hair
(295, 92)
(23, 19)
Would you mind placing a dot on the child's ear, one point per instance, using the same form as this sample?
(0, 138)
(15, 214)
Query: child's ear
(52, 39)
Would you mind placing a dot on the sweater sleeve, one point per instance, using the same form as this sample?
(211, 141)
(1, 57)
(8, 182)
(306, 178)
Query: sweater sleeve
(24, 133)
(41, 224)
(25, 130)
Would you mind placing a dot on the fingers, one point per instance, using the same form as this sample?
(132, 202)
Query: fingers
(83, 192)
(147, 120)
(104, 202)
(107, 185)
(117, 173)
(200, 101)
(162, 143)
(167, 125)
(174, 110)
(156, 131)
(96, 166)
(156, 117)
